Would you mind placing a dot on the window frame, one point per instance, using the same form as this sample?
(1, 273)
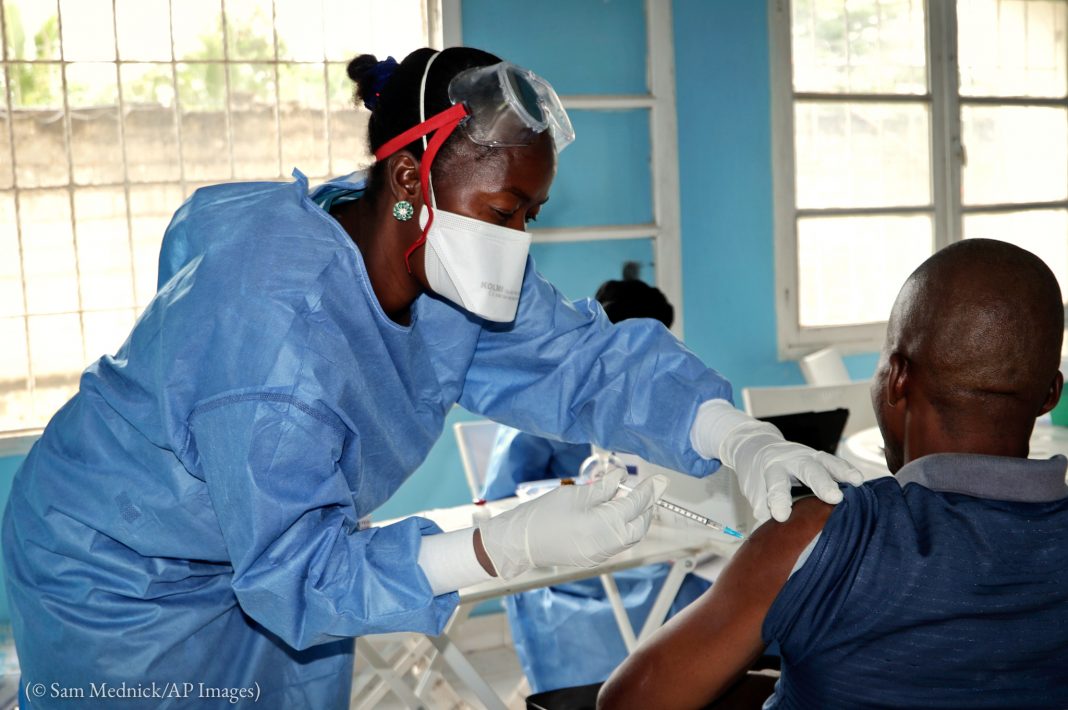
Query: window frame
(947, 158)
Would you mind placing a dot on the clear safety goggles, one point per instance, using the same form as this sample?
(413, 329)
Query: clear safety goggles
(508, 105)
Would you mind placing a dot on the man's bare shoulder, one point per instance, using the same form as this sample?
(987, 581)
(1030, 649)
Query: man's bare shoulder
(807, 518)
(772, 550)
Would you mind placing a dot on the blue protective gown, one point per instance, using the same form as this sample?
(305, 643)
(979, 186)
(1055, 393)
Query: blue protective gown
(190, 516)
(566, 635)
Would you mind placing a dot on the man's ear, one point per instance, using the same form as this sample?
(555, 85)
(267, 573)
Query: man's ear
(897, 379)
(1054, 394)
(402, 172)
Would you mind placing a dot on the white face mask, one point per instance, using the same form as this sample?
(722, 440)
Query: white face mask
(476, 265)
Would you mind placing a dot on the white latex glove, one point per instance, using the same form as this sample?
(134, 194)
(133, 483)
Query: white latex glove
(764, 461)
(579, 526)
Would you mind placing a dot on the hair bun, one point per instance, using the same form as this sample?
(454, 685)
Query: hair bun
(370, 76)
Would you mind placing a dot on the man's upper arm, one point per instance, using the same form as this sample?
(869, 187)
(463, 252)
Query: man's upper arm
(702, 651)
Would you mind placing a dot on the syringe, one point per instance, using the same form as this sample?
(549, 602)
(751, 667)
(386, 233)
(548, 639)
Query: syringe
(691, 515)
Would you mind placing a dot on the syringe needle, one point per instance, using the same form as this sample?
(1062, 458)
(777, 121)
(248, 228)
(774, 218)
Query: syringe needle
(692, 515)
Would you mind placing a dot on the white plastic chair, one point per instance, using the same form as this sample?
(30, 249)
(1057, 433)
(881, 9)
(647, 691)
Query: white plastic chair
(824, 367)
(773, 401)
(476, 440)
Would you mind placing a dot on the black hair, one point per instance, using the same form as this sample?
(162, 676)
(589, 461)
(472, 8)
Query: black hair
(633, 298)
(394, 102)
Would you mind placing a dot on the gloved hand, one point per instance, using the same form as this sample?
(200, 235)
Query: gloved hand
(764, 461)
(580, 526)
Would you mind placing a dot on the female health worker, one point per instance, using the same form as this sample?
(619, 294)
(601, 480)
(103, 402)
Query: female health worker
(191, 515)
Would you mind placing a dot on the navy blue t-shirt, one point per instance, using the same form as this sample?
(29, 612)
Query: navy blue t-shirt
(917, 594)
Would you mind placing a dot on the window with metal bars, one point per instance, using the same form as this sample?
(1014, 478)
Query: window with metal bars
(114, 111)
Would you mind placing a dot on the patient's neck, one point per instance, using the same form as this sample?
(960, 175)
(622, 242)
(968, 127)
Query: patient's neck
(929, 433)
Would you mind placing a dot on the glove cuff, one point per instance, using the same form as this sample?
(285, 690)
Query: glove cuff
(719, 427)
(448, 560)
(505, 546)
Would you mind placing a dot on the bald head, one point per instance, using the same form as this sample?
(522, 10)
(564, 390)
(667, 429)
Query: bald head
(978, 329)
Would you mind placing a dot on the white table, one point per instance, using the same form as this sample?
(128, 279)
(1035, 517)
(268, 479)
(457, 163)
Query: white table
(864, 449)
(674, 540)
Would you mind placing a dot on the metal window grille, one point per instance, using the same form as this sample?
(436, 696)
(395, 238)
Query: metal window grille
(114, 111)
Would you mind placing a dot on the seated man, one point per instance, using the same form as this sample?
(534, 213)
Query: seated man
(946, 586)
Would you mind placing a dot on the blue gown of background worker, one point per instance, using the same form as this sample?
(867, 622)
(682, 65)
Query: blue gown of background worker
(191, 515)
(566, 635)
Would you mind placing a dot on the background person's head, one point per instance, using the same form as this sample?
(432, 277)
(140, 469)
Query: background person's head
(971, 355)
(633, 298)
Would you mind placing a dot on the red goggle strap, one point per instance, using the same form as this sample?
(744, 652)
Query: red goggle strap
(443, 124)
(454, 113)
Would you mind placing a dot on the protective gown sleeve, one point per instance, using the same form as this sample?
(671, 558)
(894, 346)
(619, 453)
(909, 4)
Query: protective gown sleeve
(563, 370)
(301, 568)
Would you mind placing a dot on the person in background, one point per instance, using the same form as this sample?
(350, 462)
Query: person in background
(567, 635)
(944, 586)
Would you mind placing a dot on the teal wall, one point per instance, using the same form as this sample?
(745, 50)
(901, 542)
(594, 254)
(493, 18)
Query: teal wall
(724, 113)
